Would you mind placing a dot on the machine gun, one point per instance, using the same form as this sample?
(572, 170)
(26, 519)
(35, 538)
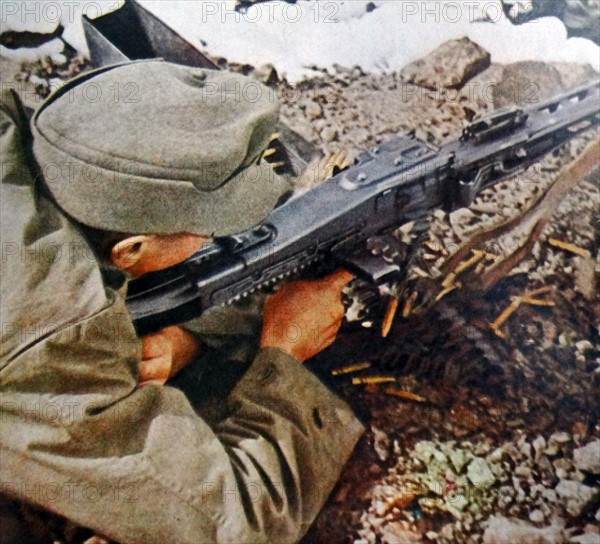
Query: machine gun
(400, 181)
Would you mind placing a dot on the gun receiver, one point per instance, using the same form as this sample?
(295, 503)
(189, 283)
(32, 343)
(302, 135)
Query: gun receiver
(400, 181)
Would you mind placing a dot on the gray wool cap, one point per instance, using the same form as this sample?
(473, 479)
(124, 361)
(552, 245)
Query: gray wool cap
(154, 147)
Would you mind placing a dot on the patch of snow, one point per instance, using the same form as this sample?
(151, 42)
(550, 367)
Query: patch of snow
(295, 38)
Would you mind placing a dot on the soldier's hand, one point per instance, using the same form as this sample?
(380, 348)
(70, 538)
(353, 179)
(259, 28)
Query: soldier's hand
(165, 353)
(303, 317)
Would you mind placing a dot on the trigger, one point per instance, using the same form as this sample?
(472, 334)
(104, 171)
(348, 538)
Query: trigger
(371, 268)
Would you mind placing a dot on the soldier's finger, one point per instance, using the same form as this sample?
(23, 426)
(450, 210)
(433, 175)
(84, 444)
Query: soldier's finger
(155, 369)
(339, 279)
(336, 316)
(331, 331)
(154, 345)
(328, 340)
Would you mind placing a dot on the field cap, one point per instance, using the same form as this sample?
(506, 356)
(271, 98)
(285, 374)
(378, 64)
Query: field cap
(154, 147)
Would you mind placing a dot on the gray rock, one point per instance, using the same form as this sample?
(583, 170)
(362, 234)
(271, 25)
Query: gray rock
(380, 507)
(525, 449)
(585, 277)
(495, 456)
(560, 438)
(523, 472)
(358, 136)
(505, 496)
(502, 530)
(526, 84)
(573, 75)
(556, 443)
(313, 110)
(498, 471)
(549, 495)
(563, 462)
(539, 445)
(536, 516)
(480, 90)
(450, 66)
(395, 533)
(583, 345)
(481, 449)
(576, 496)
(562, 466)
(458, 458)
(381, 443)
(328, 134)
(585, 538)
(370, 537)
(266, 74)
(462, 217)
(447, 532)
(587, 458)
(424, 450)
(479, 473)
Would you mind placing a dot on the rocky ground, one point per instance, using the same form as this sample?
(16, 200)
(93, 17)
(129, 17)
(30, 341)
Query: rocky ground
(475, 436)
(479, 438)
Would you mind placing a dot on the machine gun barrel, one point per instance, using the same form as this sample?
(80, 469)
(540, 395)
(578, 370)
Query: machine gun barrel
(402, 180)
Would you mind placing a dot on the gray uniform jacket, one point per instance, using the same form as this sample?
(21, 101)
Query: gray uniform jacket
(79, 438)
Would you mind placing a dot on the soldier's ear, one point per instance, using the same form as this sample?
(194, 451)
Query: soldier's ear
(130, 254)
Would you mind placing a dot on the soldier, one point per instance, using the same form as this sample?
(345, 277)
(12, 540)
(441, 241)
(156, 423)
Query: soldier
(137, 166)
